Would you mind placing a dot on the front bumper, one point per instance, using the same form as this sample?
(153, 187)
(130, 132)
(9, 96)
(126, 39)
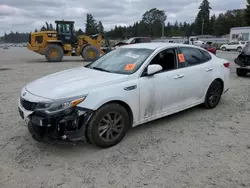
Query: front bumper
(66, 125)
(242, 62)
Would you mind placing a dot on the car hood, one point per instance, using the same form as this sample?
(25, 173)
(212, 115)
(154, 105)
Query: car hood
(73, 82)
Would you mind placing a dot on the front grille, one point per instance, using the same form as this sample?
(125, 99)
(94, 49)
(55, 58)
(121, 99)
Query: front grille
(27, 105)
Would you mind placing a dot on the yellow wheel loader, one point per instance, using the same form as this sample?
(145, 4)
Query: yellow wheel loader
(54, 44)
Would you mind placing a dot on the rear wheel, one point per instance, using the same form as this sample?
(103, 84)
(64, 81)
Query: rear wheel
(213, 95)
(54, 53)
(241, 72)
(90, 53)
(108, 126)
(239, 49)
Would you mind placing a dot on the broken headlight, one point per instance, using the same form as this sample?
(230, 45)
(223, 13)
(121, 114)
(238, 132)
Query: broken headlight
(59, 106)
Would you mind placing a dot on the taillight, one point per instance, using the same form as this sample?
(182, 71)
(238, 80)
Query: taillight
(227, 65)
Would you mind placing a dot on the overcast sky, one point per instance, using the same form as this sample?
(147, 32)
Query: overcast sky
(26, 15)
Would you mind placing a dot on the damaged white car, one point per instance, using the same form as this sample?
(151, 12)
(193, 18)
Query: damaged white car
(129, 86)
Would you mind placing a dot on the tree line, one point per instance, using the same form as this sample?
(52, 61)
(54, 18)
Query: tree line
(153, 20)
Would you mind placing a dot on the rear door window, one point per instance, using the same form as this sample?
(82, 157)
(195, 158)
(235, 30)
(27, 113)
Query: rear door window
(192, 56)
(206, 55)
(138, 40)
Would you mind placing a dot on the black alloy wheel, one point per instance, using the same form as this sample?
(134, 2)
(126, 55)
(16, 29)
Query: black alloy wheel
(108, 125)
(111, 126)
(213, 95)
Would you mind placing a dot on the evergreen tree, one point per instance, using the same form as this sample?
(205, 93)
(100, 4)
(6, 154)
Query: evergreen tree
(212, 24)
(202, 19)
(247, 13)
(100, 28)
(153, 19)
(91, 25)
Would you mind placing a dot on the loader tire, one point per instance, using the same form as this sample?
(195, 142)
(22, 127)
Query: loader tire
(90, 53)
(54, 53)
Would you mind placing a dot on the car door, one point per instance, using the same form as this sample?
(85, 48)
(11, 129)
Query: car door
(138, 40)
(235, 45)
(229, 46)
(160, 92)
(197, 71)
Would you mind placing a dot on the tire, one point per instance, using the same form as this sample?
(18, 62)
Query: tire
(93, 133)
(223, 49)
(213, 95)
(57, 49)
(241, 72)
(36, 132)
(239, 49)
(86, 50)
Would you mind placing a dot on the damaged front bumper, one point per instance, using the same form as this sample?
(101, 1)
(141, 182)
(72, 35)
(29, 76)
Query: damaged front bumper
(242, 60)
(66, 125)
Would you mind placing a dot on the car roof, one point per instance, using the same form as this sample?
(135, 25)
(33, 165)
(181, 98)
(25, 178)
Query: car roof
(155, 45)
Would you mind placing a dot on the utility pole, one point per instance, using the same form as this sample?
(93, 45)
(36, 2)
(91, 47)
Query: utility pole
(163, 28)
(163, 18)
(202, 27)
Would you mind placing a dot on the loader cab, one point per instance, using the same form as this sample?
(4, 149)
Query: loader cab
(66, 32)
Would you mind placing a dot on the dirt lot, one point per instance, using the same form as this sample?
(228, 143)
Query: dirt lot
(195, 148)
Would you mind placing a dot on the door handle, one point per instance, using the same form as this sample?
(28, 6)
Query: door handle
(209, 69)
(179, 76)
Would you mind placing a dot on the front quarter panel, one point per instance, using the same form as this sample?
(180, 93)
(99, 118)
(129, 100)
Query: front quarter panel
(127, 92)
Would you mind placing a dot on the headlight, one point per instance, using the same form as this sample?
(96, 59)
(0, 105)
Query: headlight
(58, 106)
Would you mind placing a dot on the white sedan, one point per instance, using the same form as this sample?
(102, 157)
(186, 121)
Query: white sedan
(129, 86)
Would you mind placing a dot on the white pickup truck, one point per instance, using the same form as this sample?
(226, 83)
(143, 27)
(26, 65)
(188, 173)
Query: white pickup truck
(233, 46)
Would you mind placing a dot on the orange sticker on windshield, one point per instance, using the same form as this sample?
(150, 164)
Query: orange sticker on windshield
(129, 67)
(181, 58)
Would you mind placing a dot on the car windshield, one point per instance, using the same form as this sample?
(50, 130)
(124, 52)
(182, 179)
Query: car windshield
(121, 60)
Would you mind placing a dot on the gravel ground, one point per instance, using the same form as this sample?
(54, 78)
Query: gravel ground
(195, 148)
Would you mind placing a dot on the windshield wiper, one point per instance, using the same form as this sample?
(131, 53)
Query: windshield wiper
(100, 69)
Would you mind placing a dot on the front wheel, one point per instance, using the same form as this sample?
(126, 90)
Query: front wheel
(108, 126)
(213, 95)
(90, 53)
(239, 49)
(223, 49)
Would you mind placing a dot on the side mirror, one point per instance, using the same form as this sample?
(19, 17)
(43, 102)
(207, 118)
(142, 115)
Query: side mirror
(152, 69)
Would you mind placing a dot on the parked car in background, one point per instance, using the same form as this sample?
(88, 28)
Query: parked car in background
(126, 87)
(233, 46)
(133, 40)
(209, 47)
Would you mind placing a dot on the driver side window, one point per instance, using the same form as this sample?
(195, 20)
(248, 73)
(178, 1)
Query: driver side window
(167, 59)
